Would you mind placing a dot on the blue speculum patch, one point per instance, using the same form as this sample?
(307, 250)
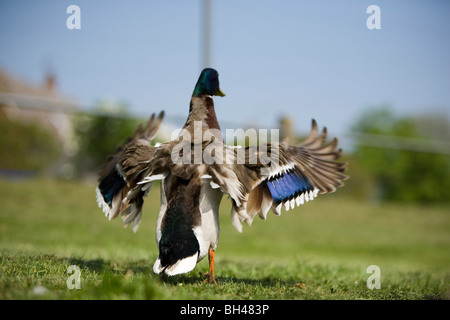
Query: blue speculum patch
(110, 185)
(288, 185)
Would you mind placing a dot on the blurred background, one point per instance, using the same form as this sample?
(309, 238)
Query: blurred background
(74, 85)
(69, 96)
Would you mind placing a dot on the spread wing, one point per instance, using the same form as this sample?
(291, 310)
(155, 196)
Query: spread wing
(276, 176)
(123, 172)
(257, 178)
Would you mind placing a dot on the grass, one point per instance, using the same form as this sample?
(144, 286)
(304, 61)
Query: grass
(318, 251)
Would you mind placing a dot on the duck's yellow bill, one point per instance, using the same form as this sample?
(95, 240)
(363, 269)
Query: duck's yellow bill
(219, 93)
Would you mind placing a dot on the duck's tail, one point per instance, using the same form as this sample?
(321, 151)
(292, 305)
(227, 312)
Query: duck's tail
(178, 246)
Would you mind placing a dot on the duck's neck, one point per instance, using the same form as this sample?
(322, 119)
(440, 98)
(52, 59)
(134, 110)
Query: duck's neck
(202, 109)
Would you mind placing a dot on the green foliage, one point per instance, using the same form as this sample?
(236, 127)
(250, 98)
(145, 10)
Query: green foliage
(401, 175)
(100, 135)
(26, 146)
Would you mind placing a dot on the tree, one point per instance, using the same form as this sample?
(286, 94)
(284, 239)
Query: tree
(100, 134)
(26, 146)
(401, 175)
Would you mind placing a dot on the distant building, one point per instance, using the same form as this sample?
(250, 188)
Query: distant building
(21, 101)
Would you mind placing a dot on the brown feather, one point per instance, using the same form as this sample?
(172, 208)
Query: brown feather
(314, 159)
(254, 201)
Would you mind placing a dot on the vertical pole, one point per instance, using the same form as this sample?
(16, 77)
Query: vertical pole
(206, 59)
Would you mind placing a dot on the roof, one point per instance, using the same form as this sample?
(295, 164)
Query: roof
(15, 92)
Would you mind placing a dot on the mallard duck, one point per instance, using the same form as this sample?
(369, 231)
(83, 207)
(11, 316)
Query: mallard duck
(197, 168)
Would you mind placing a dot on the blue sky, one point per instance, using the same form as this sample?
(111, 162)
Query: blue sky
(302, 59)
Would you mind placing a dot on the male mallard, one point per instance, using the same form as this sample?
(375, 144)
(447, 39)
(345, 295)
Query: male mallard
(196, 168)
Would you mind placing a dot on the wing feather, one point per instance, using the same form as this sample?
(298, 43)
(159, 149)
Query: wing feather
(124, 170)
(297, 176)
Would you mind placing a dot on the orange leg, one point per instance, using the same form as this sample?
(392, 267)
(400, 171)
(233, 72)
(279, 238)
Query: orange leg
(211, 278)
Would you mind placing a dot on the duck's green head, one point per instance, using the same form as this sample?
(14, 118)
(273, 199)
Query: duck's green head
(208, 83)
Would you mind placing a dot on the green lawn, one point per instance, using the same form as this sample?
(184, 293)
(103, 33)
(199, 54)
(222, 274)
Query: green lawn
(318, 251)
